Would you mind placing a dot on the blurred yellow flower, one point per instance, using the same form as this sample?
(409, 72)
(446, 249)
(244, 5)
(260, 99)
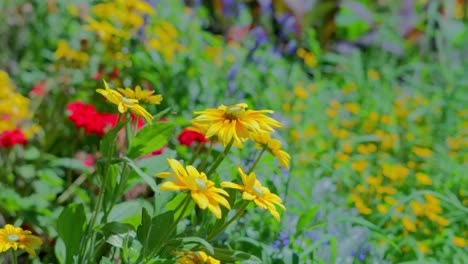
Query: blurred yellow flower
(202, 190)
(421, 152)
(408, 224)
(395, 172)
(123, 103)
(17, 238)
(423, 248)
(373, 74)
(359, 166)
(300, 92)
(254, 191)
(422, 178)
(460, 241)
(352, 107)
(234, 122)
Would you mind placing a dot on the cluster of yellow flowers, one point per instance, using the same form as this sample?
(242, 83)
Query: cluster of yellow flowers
(163, 39)
(75, 58)
(384, 153)
(14, 109)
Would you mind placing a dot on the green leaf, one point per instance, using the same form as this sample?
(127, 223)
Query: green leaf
(227, 256)
(117, 233)
(150, 138)
(197, 240)
(126, 211)
(306, 218)
(70, 228)
(149, 180)
(153, 233)
(109, 138)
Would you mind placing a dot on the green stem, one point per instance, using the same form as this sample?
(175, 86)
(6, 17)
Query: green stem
(238, 213)
(257, 160)
(119, 190)
(128, 130)
(207, 156)
(197, 152)
(186, 203)
(15, 258)
(219, 159)
(92, 223)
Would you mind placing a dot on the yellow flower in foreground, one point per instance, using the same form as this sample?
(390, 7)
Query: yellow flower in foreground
(264, 140)
(141, 95)
(192, 257)
(17, 238)
(234, 122)
(123, 103)
(202, 190)
(253, 190)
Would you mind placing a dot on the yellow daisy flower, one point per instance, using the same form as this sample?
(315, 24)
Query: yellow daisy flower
(202, 190)
(141, 95)
(17, 238)
(254, 191)
(192, 257)
(264, 140)
(234, 122)
(123, 103)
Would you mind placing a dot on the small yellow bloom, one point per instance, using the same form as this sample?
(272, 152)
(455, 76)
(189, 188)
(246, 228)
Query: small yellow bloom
(422, 178)
(202, 190)
(422, 247)
(141, 95)
(408, 224)
(359, 166)
(17, 238)
(352, 107)
(253, 190)
(421, 152)
(234, 122)
(460, 242)
(300, 92)
(194, 257)
(123, 103)
(382, 208)
(373, 74)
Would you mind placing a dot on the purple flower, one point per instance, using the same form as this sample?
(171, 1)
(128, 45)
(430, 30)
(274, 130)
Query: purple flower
(361, 252)
(282, 240)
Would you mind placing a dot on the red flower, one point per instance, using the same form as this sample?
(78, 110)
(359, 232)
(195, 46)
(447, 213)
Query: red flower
(187, 137)
(38, 89)
(86, 117)
(10, 138)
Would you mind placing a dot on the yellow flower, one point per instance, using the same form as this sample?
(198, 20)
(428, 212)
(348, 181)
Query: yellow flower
(264, 140)
(373, 74)
(17, 238)
(202, 190)
(359, 166)
(300, 92)
(421, 152)
(423, 248)
(422, 178)
(382, 209)
(141, 95)
(460, 242)
(409, 226)
(352, 107)
(234, 122)
(192, 257)
(123, 103)
(253, 190)
(395, 172)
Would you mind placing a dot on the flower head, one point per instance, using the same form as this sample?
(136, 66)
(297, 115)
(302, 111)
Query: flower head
(10, 138)
(17, 238)
(234, 122)
(123, 103)
(264, 140)
(254, 191)
(202, 190)
(141, 95)
(194, 257)
(190, 135)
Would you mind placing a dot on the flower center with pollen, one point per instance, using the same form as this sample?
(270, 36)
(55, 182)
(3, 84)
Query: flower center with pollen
(234, 112)
(258, 191)
(126, 100)
(200, 184)
(12, 238)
